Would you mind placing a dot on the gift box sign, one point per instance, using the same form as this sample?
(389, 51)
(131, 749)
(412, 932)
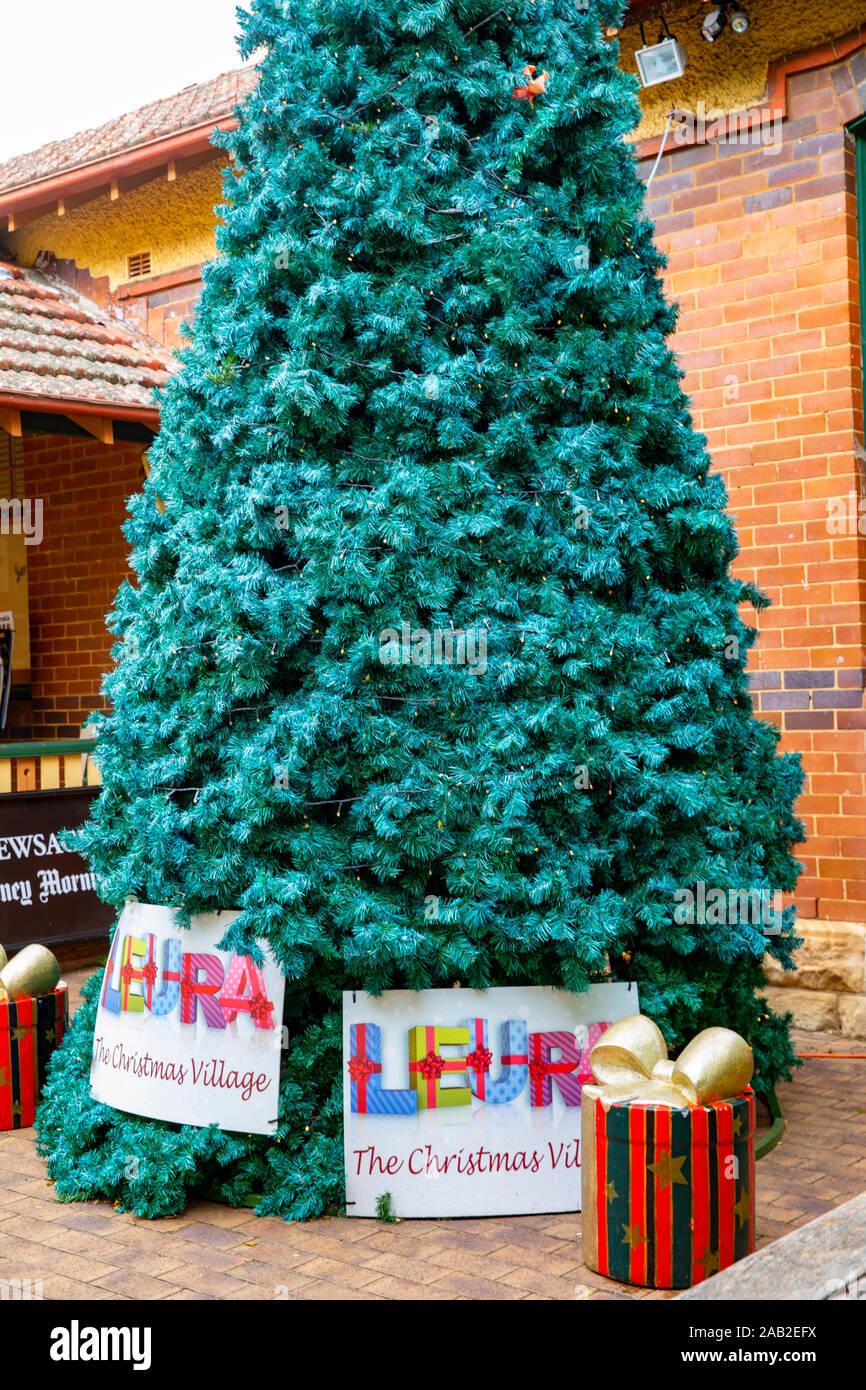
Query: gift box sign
(185, 1031)
(464, 1102)
(668, 1156)
(30, 1030)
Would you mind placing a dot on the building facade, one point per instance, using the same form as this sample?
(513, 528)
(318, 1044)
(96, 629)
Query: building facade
(759, 202)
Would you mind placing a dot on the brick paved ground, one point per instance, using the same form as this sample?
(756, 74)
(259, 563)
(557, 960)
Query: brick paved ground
(89, 1251)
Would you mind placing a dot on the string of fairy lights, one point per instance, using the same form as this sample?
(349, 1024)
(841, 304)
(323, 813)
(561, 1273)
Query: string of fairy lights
(484, 172)
(433, 378)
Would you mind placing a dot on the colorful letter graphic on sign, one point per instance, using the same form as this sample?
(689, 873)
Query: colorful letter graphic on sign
(542, 1070)
(515, 1056)
(245, 992)
(143, 948)
(426, 1066)
(194, 991)
(365, 1071)
(593, 1033)
(110, 995)
(166, 997)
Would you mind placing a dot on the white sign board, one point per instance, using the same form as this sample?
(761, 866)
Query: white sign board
(466, 1103)
(185, 1032)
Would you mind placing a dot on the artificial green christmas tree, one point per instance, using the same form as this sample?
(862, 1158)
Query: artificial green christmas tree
(433, 665)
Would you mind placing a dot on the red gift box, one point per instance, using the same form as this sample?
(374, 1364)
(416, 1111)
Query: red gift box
(668, 1194)
(30, 1030)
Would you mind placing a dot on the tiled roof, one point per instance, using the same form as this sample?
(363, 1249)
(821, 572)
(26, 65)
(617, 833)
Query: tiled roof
(195, 105)
(54, 343)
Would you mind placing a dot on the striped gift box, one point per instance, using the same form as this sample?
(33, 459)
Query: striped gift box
(30, 1029)
(668, 1194)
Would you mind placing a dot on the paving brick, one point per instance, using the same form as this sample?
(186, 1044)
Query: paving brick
(413, 1271)
(271, 1281)
(82, 1267)
(403, 1243)
(518, 1234)
(354, 1276)
(472, 1287)
(487, 1266)
(334, 1293)
(216, 1236)
(37, 1208)
(60, 1289)
(283, 1256)
(133, 1284)
(203, 1257)
(352, 1229)
(143, 1263)
(535, 1281)
(452, 1238)
(390, 1287)
(565, 1228)
(523, 1256)
(201, 1280)
(230, 1218)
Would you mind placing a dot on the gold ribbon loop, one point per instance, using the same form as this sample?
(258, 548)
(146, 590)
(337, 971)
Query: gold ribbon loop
(630, 1062)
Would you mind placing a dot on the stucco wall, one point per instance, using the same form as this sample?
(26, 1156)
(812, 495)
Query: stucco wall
(732, 72)
(174, 221)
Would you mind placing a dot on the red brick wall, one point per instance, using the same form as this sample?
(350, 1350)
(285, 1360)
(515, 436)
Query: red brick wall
(74, 574)
(161, 306)
(158, 306)
(762, 252)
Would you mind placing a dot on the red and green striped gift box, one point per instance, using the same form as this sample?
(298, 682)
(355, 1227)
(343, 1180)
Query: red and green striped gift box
(30, 1029)
(668, 1194)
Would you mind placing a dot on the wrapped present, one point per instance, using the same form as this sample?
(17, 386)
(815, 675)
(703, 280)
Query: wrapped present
(667, 1156)
(427, 1066)
(30, 1029)
(365, 1076)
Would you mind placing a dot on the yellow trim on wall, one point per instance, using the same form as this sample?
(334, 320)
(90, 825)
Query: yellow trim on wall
(49, 773)
(73, 773)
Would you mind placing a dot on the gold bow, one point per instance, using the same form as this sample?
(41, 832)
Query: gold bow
(630, 1062)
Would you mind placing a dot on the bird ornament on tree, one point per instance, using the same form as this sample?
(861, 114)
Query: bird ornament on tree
(534, 87)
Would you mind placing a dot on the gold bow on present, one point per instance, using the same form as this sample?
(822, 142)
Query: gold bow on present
(630, 1062)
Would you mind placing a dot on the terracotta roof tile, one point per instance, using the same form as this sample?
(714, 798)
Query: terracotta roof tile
(55, 343)
(195, 105)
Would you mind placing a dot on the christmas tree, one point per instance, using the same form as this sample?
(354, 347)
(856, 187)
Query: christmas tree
(433, 665)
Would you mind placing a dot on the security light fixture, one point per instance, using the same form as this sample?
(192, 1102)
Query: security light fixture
(662, 61)
(714, 23)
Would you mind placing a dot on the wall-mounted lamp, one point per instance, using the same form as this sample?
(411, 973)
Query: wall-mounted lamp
(713, 23)
(662, 61)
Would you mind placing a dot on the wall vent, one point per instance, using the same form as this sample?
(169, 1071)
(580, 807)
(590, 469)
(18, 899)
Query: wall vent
(138, 265)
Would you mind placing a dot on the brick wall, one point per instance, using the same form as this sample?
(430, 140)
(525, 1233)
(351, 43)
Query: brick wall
(762, 259)
(162, 305)
(159, 305)
(73, 575)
